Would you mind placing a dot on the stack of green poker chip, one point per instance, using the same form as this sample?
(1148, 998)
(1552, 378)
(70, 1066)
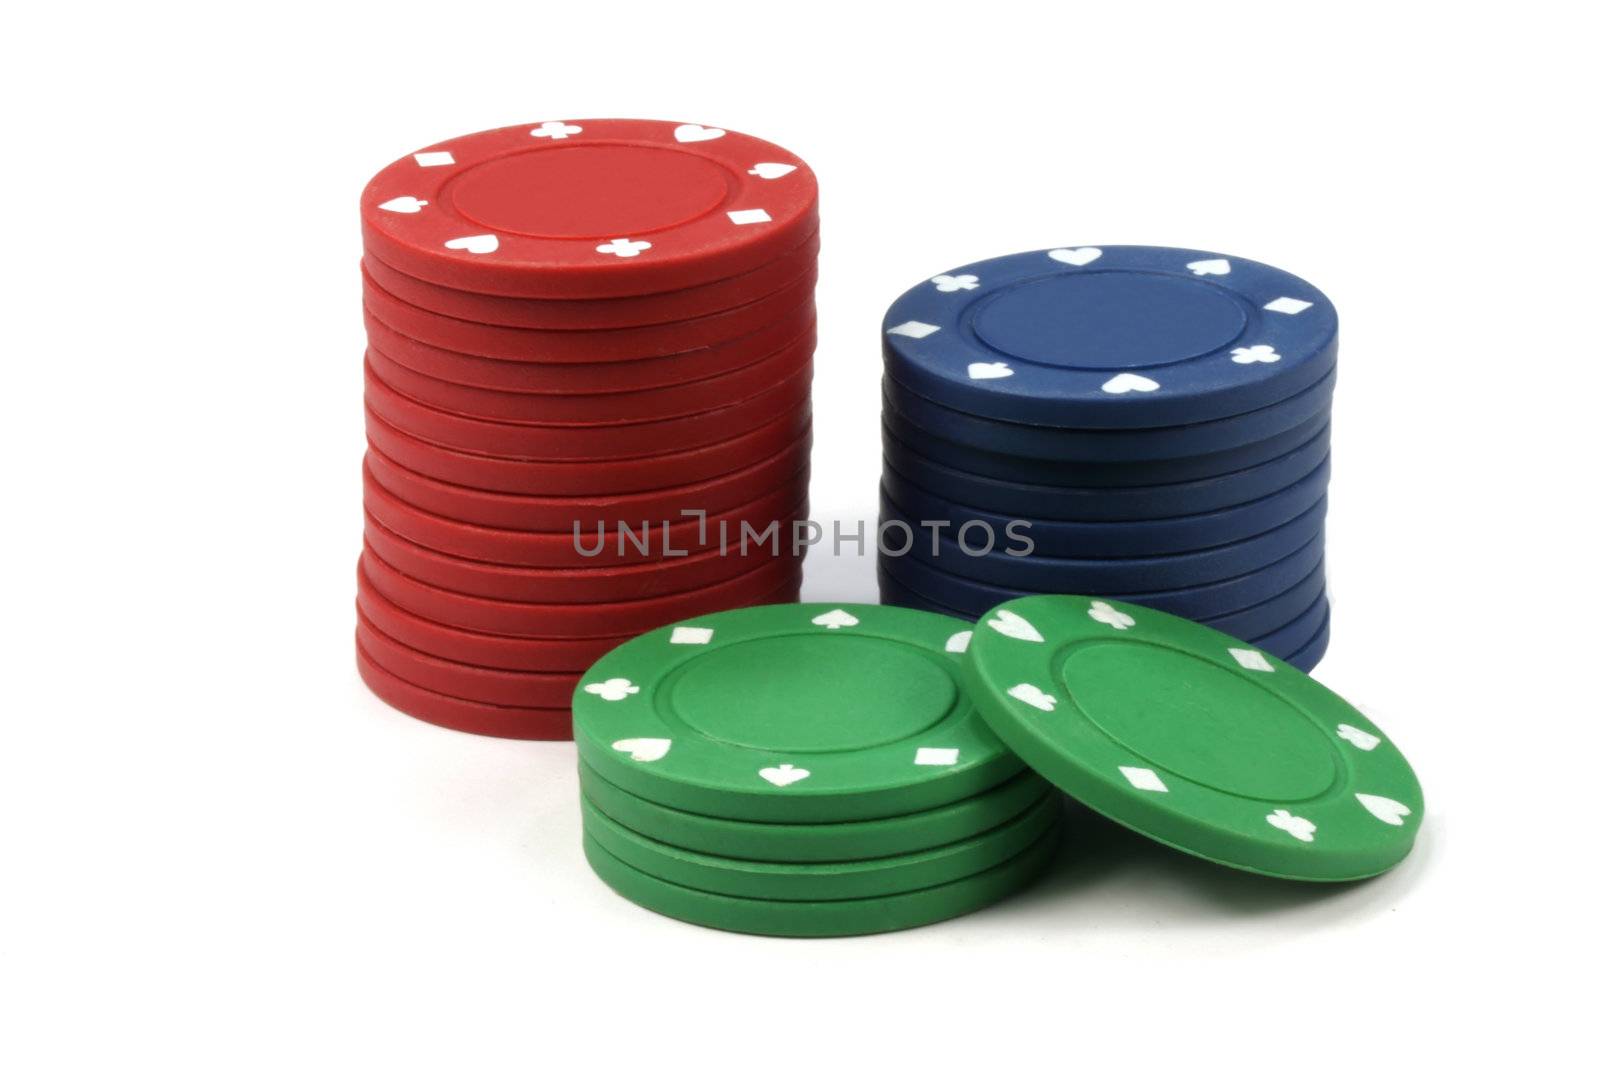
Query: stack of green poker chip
(803, 770)
(1194, 738)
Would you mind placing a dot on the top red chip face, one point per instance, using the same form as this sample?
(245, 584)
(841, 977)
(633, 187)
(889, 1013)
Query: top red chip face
(589, 208)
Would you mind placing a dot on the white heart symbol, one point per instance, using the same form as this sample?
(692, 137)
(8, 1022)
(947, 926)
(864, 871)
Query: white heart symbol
(1202, 267)
(477, 244)
(643, 749)
(1300, 829)
(1077, 257)
(958, 641)
(1130, 383)
(1358, 737)
(1107, 615)
(1385, 810)
(980, 371)
(1031, 694)
(1011, 624)
(784, 774)
(689, 133)
(769, 171)
(835, 619)
(612, 689)
(404, 205)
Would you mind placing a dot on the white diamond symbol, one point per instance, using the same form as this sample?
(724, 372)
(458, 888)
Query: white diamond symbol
(691, 635)
(1144, 778)
(1287, 305)
(1250, 659)
(433, 159)
(913, 329)
(748, 216)
(937, 757)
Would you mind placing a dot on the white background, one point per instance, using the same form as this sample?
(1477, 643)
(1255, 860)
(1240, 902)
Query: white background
(223, 850)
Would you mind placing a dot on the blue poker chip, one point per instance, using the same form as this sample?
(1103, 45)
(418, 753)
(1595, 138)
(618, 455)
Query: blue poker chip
(981, 551)
(1289, 639)
(1104, 505)
(1119, 540)
(1085, 475)
(1111, 337)
(1111, 446)
(1248, 624)
(1307, 658)
(1200, 602)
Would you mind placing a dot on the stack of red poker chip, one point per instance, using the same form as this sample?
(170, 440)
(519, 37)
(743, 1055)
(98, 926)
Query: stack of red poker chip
(588, 404)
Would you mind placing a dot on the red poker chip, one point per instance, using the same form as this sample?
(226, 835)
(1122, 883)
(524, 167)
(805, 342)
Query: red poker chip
(584, 346)
(468, 716)
(612, 314)
(617, 547)
(595, 409)
(553, 514)
(565, 478)
(518, 689)
(755, 586)
(625, 440)
(570, 585)
(514, 376)
(589, 208)
(532, 654)
(526, 654)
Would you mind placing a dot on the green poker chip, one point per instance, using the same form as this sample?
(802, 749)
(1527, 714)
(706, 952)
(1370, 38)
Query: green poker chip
(827, 918)
(822, 881)
(791, 713)
(838, 842)
(1193, 738)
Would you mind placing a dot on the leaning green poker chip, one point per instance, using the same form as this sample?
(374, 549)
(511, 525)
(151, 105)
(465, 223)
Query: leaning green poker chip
(834, 842)
(822, 881)
(826, 918)
(1194, 738)
(791, 713)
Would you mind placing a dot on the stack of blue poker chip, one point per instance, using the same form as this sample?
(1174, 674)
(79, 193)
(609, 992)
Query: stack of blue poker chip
(1146, 424)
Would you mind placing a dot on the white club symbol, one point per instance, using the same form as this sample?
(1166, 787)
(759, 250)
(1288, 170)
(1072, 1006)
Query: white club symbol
(622, 247)
(556, 131)
(1107, 615)
(1255, 354)
(1296, 826)
(612, 689)
(955, 283)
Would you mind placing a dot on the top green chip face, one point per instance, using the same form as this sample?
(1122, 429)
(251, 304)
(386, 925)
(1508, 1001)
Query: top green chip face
(1194, 738)
(792, 713)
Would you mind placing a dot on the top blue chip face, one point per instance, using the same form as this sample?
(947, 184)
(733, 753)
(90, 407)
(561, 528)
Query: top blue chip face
(1116, 337)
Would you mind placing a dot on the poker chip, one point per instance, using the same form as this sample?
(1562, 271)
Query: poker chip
(584, 346)
(1113, 446)
(550, 478)
(588, 379)
(1111, 337)
(604, 314)
(767, 580)
(790, 714)
(600, 546)
(516, 689)
(651, 405)
(611, 441)
(799, 881)
(1287, 641)
(1193, 738)
(839, 842)
(971, 597)
(1116, 540)
(572, 585)
(554, 514)
(976, 551)
(830, 918)
(1112, 475)
(1129, 503)
(469, 716)
(587, 208)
